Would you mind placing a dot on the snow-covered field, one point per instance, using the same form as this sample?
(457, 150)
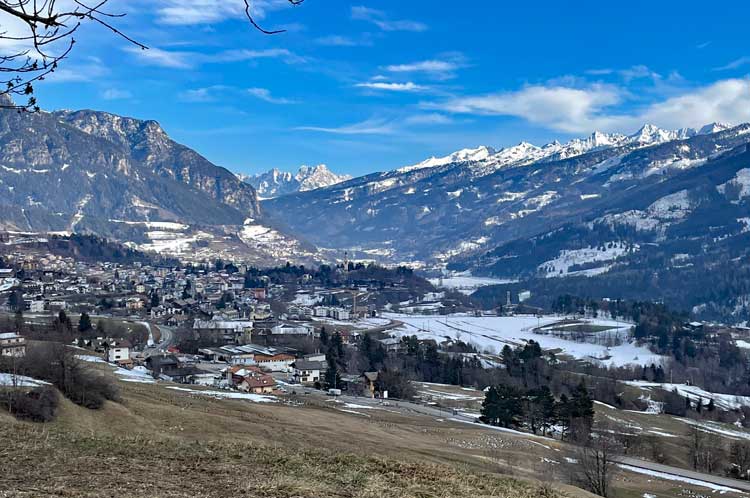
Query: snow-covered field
(139, 375)
(256, 398)
(90, 358)
(561, 266)
(10, 380)
(465, 283)
(491, 333)
(723, 401)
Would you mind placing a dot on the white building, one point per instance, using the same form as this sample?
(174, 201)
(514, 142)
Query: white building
(308, 372)
(340, 314)
(12, 345)
(293, 329)
(118, 352)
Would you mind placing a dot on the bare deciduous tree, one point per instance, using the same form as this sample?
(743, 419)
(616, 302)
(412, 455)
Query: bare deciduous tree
(37, 35)
(595, 462)
(706, 451)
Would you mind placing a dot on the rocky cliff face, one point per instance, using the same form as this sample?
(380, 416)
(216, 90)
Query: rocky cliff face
(148, 144)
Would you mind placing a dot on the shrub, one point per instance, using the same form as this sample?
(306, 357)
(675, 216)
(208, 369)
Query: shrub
(58, 365)
(38, 405)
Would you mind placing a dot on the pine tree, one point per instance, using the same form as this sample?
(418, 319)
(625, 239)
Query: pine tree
(84, 323)
(503, 406)
(323, 336)
(332, 378)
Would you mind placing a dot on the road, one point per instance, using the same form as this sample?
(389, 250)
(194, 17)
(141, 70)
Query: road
(689, 474)
(167, 340)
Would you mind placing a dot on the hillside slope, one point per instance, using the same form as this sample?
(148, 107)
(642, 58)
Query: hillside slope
(160, 443)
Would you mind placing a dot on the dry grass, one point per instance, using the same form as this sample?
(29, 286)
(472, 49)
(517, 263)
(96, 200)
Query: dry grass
(159, 443)
(41, 461)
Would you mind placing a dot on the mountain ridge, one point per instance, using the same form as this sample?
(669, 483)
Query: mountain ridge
(275, 183)
(661, 192)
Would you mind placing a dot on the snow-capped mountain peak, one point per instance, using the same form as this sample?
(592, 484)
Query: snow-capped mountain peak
(275, 182)
(713, 128)
(484, 160)
(319, 176)
(480, 153)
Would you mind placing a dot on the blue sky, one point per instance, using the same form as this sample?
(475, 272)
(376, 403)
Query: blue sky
(367, 86)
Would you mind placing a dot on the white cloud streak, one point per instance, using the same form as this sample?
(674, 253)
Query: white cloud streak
(371, 126)
(735, 64)
(392, 87)
(194, 12)
(187, 60)
(265, 95)
(382, 21)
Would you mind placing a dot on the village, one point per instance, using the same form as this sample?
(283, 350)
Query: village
(216, 324)
(353, 338)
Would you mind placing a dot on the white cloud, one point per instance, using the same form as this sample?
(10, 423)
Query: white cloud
(192, 12)
(164, 58)
(442, 68)
(200, 95)
(557, 107)
(116, 94)
(187, 60)
(726, 101)
(392, 87)
(239, 55)
(265, 94)
(735, 64)
(433, 118)
(382, 21)
(605, 107)
(338, 41)
(371, 126)
(638, 71)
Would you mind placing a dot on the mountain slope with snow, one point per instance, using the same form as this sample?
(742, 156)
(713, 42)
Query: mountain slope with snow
(588, 208)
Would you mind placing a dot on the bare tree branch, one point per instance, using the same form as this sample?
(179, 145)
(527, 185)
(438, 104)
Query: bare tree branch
(248, 13)
(42, 36)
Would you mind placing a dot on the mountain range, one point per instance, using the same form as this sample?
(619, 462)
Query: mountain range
(275, 183)
(658, 209)
(659, 214)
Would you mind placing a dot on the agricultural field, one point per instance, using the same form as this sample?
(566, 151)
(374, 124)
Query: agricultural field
(492, 333)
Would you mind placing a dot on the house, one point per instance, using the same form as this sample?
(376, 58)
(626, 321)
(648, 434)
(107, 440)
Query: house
(34, 306)
(252, 380)
(309, 372)
(370, 380)
(119, 352)
(135, 304)
(391, 344)
(275, 363)
(261, 384)
(258, 293)
(159, 363)
(12, 345)
(293, 329)
(224, 331)
(187, 375)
